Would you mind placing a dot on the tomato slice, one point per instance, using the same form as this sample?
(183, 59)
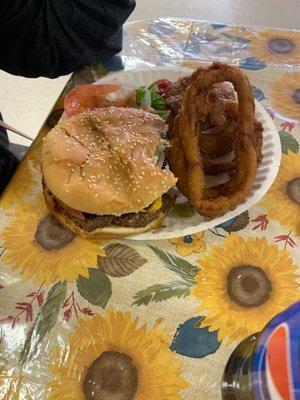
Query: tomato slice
(87, 97)
(162, 85)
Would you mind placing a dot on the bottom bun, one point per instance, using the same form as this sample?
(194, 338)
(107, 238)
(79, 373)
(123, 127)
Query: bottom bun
(107, 232)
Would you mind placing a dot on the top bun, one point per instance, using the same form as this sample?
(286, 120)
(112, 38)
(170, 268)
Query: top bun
(103, 161)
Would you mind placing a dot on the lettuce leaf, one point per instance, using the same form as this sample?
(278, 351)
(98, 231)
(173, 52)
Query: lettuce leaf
(157, 102)
(140, 94)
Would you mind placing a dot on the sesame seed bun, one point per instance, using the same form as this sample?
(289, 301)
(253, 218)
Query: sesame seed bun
(102, 162)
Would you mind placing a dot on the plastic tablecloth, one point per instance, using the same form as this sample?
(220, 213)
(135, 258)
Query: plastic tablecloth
(168, 313)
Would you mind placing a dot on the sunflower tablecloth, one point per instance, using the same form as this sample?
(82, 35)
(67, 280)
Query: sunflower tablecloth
(168, 313)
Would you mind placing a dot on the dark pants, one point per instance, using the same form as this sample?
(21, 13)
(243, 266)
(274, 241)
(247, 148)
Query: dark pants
(8, 160)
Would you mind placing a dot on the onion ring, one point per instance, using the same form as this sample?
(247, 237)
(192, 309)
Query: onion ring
(177, 161)
(257, 138)
(176, 158)
(232, 192)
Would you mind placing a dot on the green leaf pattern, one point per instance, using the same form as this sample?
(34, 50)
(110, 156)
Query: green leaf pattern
(96, 289)
(180, 266)
(45, 320)
(288, 142)
(161, 292)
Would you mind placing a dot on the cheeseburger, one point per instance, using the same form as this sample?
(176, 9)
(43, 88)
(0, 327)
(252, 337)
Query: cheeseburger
(102, 174)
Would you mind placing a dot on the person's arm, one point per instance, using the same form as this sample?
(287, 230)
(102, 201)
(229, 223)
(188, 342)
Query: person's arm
(55, 37)
(8, 161)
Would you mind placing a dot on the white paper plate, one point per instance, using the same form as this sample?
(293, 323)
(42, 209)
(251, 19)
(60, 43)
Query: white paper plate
(173, 224)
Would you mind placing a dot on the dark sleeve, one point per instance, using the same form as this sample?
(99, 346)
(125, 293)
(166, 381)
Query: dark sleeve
(8, 161)
(55, 37)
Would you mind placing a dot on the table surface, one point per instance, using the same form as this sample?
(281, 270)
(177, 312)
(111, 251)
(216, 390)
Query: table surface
(169, 306)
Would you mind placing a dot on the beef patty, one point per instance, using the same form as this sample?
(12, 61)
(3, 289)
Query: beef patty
(90, 222)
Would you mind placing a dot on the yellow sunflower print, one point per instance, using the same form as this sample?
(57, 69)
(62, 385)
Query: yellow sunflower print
(38, 247)
(276, 46)
(189, 244)
(115, 346)
(283, 199)
(242, 284)
(285, 94)
(5, 216)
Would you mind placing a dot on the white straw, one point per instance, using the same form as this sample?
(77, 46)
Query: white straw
(10, 128)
